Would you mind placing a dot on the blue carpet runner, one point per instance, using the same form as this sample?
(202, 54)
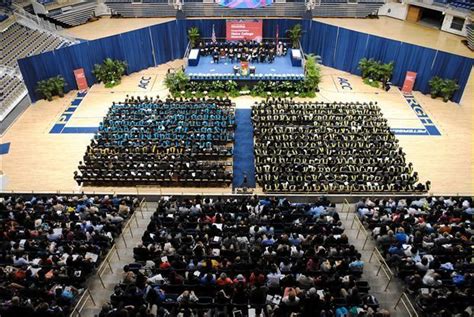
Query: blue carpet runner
(243, 149)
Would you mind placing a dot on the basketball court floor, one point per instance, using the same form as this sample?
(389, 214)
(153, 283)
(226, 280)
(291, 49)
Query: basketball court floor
(49, 139)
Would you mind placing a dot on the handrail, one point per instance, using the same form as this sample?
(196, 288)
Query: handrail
(106, 261)
(383, 266)
(404, 299)
(345, 204)
(361, 227)
(76, 311)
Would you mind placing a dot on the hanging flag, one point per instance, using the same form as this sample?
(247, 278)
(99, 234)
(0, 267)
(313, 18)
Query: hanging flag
(213, 38)
(276, 37)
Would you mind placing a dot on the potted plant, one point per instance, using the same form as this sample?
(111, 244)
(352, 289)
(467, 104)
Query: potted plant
(46, 89)
(313, 74)
(110, 72)
(294, 34)
(177, 81)
(375, 72)
(193, 36)
(436, 84)
(59, 83)
(448, 89)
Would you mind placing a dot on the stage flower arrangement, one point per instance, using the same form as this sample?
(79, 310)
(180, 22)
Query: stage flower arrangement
(179, 85)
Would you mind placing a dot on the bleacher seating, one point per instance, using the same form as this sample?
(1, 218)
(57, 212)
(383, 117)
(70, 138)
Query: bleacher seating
(17, 42)
(51, 245)
(429, 242)
(222, 256)
(172, 142)
(12, 90)
(45, 2)
(462, 4)
(196, 8)
(328, 147)
(128, 10)
(362, 9)
(77, 15)
(456, 4)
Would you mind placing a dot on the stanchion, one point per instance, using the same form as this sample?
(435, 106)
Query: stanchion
(136, 220)
(91, 297)
(409, 307)
(116, 252)
(124, 242)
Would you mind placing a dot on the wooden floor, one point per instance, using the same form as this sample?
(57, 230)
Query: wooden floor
(43, 162)
(384, 26)
(409, 32)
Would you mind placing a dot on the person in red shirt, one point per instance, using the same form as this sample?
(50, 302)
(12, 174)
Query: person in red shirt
(223, 280)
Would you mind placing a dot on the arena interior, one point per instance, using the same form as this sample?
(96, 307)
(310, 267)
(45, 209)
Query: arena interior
(236, 158)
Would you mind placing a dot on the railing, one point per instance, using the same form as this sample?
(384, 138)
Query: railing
(405, 300)
(35, 22)
(106, 262)
(382, 264)
(81, 303)
(360, 228)
(6, 24)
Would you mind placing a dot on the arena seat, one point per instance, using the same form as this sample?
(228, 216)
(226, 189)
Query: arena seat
(77, 15)
(146, 9)
(17, 42)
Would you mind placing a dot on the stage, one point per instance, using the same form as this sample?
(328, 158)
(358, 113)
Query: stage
(280, 69)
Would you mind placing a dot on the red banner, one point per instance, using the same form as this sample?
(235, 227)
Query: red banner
(81, 79)
(409, 82)
(238, 30)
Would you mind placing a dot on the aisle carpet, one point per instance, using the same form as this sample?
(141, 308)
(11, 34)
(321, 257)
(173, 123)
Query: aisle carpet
(243, 149)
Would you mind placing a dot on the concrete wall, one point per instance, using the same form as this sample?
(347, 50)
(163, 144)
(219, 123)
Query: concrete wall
(394, 10)
(448, 18)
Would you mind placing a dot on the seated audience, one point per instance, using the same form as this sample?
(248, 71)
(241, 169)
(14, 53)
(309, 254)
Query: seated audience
(269, 279)
(50, 246)
(431, 250)
(328, 147)
(171, 142)
(236, 51)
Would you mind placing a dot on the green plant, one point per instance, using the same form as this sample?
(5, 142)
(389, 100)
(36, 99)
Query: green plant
(371, 82)
(436, 83)
(374, 71)
(449, 88)
(178, 81)
(231, 86)
(294, 35)
(440, 87)
(193, 36)
(110, 72)
(59, 83)
(313, 74)
(46, 89)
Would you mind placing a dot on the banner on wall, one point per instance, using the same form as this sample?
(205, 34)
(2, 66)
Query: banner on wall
(238, 30)
(409, 82)
(81, 79)
(244, 4)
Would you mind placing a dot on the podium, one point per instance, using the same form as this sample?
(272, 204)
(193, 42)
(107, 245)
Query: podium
(193, 59)
(296, 58)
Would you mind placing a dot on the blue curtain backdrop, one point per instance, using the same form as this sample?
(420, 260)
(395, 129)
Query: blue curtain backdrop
(338, 47)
